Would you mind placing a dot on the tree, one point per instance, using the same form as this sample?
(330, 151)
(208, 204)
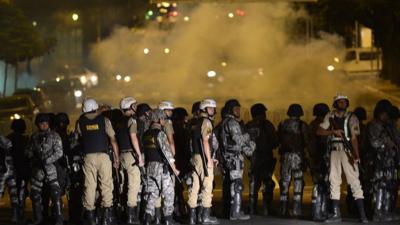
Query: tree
(19, 40)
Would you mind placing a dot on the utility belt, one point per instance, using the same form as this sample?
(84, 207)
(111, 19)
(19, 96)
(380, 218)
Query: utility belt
(126, 150)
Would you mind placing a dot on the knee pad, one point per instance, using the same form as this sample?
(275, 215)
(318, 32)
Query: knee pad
(238, 185)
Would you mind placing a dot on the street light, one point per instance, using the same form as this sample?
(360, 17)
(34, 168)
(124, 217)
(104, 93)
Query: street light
(127, 78)
(186, 18)
(211, 73)
(231, 15)
(166, 50)
(146, 51)
(118, 77)
(75, 16)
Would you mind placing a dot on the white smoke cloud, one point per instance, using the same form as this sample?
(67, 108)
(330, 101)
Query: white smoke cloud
(263, 63)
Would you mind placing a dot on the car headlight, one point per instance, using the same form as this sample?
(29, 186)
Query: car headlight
(78, 93)
(16, 116)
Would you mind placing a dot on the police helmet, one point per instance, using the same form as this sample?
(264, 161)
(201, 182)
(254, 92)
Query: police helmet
(295, 110)
(320, 109)
(156, 115)
(41, 118)
(360, 113)
(340, 97)
(257, 109)
(382, 106)
(18, 125)
(179, 113)
(62, 118)
(196, 107)
(230, 104)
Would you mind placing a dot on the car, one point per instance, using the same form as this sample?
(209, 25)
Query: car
(40, 99)
(362, 61)
(16, 107)
(66, 94)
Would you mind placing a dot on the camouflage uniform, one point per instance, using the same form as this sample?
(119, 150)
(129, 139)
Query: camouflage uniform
(263, 133)
(44, 152)
(385, 169)
(8, 176)
(293, 135)
(235, 142)
(160, 181)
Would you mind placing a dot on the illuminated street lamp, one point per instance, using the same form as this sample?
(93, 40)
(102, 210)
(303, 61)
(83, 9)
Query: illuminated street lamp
(75, 16)
(118, 77)
(231, 15)
(146, 51)
(166, 50)
(186, 18)
(330, 68)
(211, 73)
(34, 23)
(127, 78)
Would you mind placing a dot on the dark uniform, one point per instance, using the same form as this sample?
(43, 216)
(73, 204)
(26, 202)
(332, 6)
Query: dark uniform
(8, 176)
(293, 136)
(384, 150)
(235, 142)
(20, 142)
(44, 151)
(319, 164)
(263, 133)
(182, 156)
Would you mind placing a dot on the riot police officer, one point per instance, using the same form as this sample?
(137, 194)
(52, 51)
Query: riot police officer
(95, 132)
(203, 163)
(8, 176)
(235, 142)
(182, 157)
(293, 136)
(342, 129)
(131, 157)
(159, 164)
(263, 133)
(319, 164)
(20, 142)
(44, 151)
(384, 150)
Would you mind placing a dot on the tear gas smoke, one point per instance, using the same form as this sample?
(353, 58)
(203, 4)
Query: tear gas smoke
(254, 57)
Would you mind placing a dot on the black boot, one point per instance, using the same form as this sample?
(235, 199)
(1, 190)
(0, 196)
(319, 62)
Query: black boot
(378, 212)
(317, 209)
(147, 219)
(89, 217)
(15, 213)
(253, 205)
(131, 215)
(157, 216)
(192, 216)
(361, 210)
(336, 217)
(207, 219)
(199, 213)
(37, 213)
(107, 216)
(284, 208)
(297, 208)
(236, 208)
(169, 220)
(58, 213)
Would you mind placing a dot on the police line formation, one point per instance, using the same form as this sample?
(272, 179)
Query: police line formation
(132, 164)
